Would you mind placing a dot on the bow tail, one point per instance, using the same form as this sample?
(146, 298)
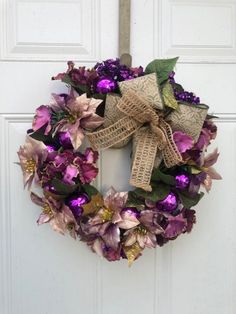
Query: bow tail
(170, 153)
(145, 154)
(113, 134)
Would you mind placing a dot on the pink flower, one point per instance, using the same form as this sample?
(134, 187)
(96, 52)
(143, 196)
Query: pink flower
(145, 233)
(56, 214)
(80, 115)
(70, 173)
(182, 141)
(42, 118)
(211, 173)
(31, 156)
(106, 221)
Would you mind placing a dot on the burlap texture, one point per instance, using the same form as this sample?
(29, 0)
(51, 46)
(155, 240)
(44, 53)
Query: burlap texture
(138, 115)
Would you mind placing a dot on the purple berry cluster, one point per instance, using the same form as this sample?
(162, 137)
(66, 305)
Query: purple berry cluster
(113, 69)
(183, 95)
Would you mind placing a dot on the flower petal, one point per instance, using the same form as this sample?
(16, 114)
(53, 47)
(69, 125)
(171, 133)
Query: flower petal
(71, 172)
(176, 225)
(211, 158)
(182, 141)
(112, 236)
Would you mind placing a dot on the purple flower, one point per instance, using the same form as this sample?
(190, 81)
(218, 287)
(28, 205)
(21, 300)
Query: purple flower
(207, 134)
(69, 166)
(189, 215)
(114, 70)
(182, 141)
(176, 226)
(42, 118)
(70, 173)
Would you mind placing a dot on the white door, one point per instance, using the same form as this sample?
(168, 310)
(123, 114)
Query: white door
(44, 273)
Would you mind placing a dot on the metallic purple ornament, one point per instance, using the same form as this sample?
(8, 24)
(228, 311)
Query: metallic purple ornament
(105, 86)
(75, 203)
(132, 211)
(169, 203)
(64, 139)
(50, 188)
(182, 181)
(51, 148)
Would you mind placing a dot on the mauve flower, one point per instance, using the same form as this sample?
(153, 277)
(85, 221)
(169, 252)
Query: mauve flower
(80, 114)
(31, 156)
(189, 215)
(90, 156)
(86, 165)
(182, 141)
(176, 226)
(105, 222)
(58, 215)
(145, 233)
(71, 172)
(79, 77)
(42, 118)
(83, 76)
(208, 133)
(211, 173)
(69, 166)
(98, 246)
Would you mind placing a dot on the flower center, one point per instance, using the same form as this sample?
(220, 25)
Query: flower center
(72, 118)
(141, 230)
(47, 210)
(70, 226)
(107, 214)
(30, 165)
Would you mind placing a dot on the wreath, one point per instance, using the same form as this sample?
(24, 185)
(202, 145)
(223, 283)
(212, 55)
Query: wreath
(112, 104)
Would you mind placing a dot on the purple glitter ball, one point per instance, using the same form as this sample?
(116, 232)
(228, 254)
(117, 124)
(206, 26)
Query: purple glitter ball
(132, 211)
(51, 148)
(50, 188)
(64, 139)
(105, 86)
(75, 203)
(182, 181)
(169, 203)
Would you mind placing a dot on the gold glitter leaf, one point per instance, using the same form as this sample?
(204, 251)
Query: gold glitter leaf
(168, 96)
(94, 205)
(132, 252)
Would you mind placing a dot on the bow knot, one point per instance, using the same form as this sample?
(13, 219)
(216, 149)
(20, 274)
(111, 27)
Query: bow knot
(151, 131)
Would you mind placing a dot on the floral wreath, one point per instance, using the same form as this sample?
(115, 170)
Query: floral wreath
(112, 104)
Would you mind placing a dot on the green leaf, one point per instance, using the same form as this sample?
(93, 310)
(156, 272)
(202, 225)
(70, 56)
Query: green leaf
(159, 191)
(195, 170)
(210, 116)
(134, 201)
(157, 176)
(89, 189)
(63, 188)
(179, 88)
(161, 67)
(81, 88)
(168, 96)
(190, 201)
(39, 134)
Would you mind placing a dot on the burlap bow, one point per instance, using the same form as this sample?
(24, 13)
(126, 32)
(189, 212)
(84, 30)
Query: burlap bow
(136, 113)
